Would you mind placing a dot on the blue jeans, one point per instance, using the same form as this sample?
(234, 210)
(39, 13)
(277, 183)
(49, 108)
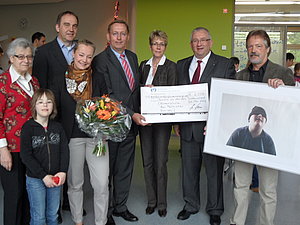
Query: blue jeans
(44, 202)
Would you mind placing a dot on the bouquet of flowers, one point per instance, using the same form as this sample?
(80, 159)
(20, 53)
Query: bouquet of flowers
(104, 119)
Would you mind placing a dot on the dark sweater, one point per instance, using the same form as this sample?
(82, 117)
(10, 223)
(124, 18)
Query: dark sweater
(44, 152)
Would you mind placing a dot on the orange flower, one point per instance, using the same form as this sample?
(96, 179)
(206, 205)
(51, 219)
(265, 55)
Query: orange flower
(103, 115)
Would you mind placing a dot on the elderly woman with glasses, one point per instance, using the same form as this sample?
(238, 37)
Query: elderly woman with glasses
(157, 71)
(16, 90)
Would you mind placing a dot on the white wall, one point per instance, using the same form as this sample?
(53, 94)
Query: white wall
(94, 16)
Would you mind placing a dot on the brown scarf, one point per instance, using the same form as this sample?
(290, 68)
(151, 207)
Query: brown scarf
(79, 83)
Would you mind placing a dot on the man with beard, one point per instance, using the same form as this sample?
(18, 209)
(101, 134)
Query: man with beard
(253, 137)
(261, 69)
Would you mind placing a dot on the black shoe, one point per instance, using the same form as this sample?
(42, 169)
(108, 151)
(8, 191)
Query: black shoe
(59, 218)
(215, 220)
(150, 210)
(110, 221)
(162, 212)
(126, 216)
(183, 214)
(65, 207)
(84, 212)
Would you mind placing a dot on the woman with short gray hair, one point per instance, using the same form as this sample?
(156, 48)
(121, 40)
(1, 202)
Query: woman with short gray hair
(16, 90)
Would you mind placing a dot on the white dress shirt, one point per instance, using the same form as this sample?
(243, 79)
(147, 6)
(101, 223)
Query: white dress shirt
(150, 74)
(194, 65)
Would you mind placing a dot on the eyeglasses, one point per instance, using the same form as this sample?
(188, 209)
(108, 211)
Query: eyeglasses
(196, 41)
(158, 44)
(22, 57)
(48, 102)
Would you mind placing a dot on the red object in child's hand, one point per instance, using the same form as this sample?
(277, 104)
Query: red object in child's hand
(55, 179)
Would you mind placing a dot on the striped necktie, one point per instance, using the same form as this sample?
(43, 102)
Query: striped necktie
(128, 73)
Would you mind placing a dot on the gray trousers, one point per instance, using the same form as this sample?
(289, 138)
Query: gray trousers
(192, 157)
(80, 151)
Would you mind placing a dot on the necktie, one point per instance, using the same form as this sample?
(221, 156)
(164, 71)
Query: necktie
(128, 73)
(196, 76)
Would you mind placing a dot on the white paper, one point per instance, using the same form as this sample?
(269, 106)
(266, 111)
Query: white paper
(182, 103)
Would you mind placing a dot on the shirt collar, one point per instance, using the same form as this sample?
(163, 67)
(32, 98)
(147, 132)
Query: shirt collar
(161, 61)
(204, 60)
(118, 55)
(16, 76)
(62, 45)
(262, 68)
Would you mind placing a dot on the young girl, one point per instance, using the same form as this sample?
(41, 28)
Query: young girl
(45, 153)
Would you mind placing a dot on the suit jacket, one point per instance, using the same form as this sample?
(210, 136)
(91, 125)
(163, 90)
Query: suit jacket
(272, 71)
(165, 74)
(106, 65)
(48, 64)
(217, 66)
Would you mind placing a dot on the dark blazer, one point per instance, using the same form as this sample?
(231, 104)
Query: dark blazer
(49, 63)
(165, 74)
(272, 71)
(66, 105)
(217, 66)
(106, 65)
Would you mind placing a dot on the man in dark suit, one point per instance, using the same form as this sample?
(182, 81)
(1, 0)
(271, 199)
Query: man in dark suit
(200, 68)
(119, 67)
(51, 62)
(52, 59)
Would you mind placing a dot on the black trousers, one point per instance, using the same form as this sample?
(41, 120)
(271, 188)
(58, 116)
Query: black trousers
(121, 161)
(16, 204)
(154, 145)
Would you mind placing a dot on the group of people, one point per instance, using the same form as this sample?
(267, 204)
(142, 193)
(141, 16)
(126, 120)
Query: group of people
(52, 151)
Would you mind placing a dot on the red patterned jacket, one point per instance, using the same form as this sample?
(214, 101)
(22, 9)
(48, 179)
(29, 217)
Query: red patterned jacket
(14, 110)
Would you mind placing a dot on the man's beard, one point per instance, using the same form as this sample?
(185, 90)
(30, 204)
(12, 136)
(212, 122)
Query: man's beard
(255, 61)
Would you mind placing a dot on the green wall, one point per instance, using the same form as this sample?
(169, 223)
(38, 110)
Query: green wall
(178, 18)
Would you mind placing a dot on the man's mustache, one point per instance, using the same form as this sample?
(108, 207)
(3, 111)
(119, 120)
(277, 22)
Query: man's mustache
(254, 54)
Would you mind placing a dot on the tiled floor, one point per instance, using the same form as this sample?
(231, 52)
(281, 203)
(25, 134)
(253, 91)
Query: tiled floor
(287, 210)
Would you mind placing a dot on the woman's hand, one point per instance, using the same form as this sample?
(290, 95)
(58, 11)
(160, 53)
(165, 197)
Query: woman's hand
(5, 158)
(62, 178)
(176, 129)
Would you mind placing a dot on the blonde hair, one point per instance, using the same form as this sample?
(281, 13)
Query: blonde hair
(158, 34)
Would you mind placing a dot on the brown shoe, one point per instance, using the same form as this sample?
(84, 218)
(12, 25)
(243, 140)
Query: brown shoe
(254, 189)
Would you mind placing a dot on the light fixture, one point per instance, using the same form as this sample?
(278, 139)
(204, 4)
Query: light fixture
(266, 3)
(266, 15)
(266, 22)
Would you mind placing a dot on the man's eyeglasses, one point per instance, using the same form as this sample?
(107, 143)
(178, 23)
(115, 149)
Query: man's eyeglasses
(22, 57)
(196, 41)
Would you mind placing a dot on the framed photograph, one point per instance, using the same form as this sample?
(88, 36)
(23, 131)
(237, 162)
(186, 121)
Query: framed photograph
(254, 123)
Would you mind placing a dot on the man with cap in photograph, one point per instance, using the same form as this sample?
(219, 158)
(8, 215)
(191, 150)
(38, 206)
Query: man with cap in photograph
(253, 137)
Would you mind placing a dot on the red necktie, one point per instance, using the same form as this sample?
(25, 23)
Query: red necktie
(128, 73)
(196, 76)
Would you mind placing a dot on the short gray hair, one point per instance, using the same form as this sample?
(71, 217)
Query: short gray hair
(18, 43)
(198, 29)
